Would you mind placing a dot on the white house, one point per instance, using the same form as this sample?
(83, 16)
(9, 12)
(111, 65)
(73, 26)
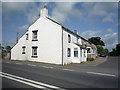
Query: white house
(49, 42)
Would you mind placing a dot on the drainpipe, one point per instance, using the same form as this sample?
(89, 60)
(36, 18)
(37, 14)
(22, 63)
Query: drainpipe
(62, 47)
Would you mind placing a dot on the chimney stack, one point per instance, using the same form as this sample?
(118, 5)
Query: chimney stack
(75, 31)
(44, 12)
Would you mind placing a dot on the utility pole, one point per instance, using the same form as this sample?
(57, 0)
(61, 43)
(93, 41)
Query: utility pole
(17, 37)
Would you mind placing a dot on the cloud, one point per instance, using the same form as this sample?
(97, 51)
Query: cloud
(30, 9)
(90, 33)
(92, 10)
(108, 18)
(24, 27)
(109, 30)
(62, 10)
(9, 42)
(10, 7)
(110, 37)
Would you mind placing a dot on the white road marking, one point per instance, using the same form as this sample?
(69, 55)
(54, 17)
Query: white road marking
(102, 74)
(7, 62)
(68, 69)
(18, 63)
(47, 67)
(30, 84)
(29, 81)
(31, 65)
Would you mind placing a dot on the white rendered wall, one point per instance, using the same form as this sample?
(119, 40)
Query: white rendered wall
(71, 45)
(16, 51)
(49, 43)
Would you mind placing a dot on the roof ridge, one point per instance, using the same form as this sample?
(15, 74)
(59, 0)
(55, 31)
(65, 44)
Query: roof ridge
(68, 29)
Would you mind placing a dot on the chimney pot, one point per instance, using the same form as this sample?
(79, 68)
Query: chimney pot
(45, 6)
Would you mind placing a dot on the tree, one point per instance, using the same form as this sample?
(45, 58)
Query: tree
(113, 52)
(106, 50)
(1, 47)
(96, 41)
(8, 48)
(100, 49)
(118, 49)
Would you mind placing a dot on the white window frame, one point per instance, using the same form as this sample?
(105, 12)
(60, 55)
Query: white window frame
(27, 36)
(34, 35)
(75, 52)
(69, 38)
(34, 51)
(68, 52)
(23, 49)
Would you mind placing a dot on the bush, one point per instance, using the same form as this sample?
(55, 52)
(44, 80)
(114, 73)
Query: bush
(90, 59)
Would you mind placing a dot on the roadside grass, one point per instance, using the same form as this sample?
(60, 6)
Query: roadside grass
(68, 64)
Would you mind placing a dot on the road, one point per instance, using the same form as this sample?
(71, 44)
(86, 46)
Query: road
(17, 74)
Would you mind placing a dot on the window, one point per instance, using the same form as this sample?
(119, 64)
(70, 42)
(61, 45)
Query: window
(75, 52)
(35, 35)
(77, 39)
(68, 52)
(34, 51)
(23, 50)
(80, 52)
(27, 36)
(69, 39)
(88, 50)
(84, 54)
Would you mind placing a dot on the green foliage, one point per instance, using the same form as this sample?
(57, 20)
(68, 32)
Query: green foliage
(115, 51)
(1, 47)
(118, 49)
(100, 49)
(96, 41)
(4, 53)
(106, 50)
(8, 48)
(90, 59)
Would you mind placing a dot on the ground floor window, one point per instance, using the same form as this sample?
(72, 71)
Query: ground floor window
(23, 50)
(75, 52)
(34, 51)
(80, 52)
(84, 54)
(68, 52)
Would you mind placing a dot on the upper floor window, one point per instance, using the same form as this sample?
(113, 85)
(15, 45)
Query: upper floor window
(75, 52)
(34, 51)
(77, 39)
(27, 36)
(88, 50)
(69, 39)
(23, 50)
(35, 35)
(68, 52)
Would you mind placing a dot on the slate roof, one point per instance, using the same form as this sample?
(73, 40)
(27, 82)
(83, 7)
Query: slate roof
(68, 30)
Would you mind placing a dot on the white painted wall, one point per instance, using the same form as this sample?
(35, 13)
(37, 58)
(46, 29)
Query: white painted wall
(49, 43)
(16, 51)
(71, 45)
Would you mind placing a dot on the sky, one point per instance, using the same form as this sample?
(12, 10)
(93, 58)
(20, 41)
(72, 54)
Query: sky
(91, 19)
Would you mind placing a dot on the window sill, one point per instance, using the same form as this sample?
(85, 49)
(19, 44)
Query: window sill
(35, 40)
(34, 56)
(23, 52)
